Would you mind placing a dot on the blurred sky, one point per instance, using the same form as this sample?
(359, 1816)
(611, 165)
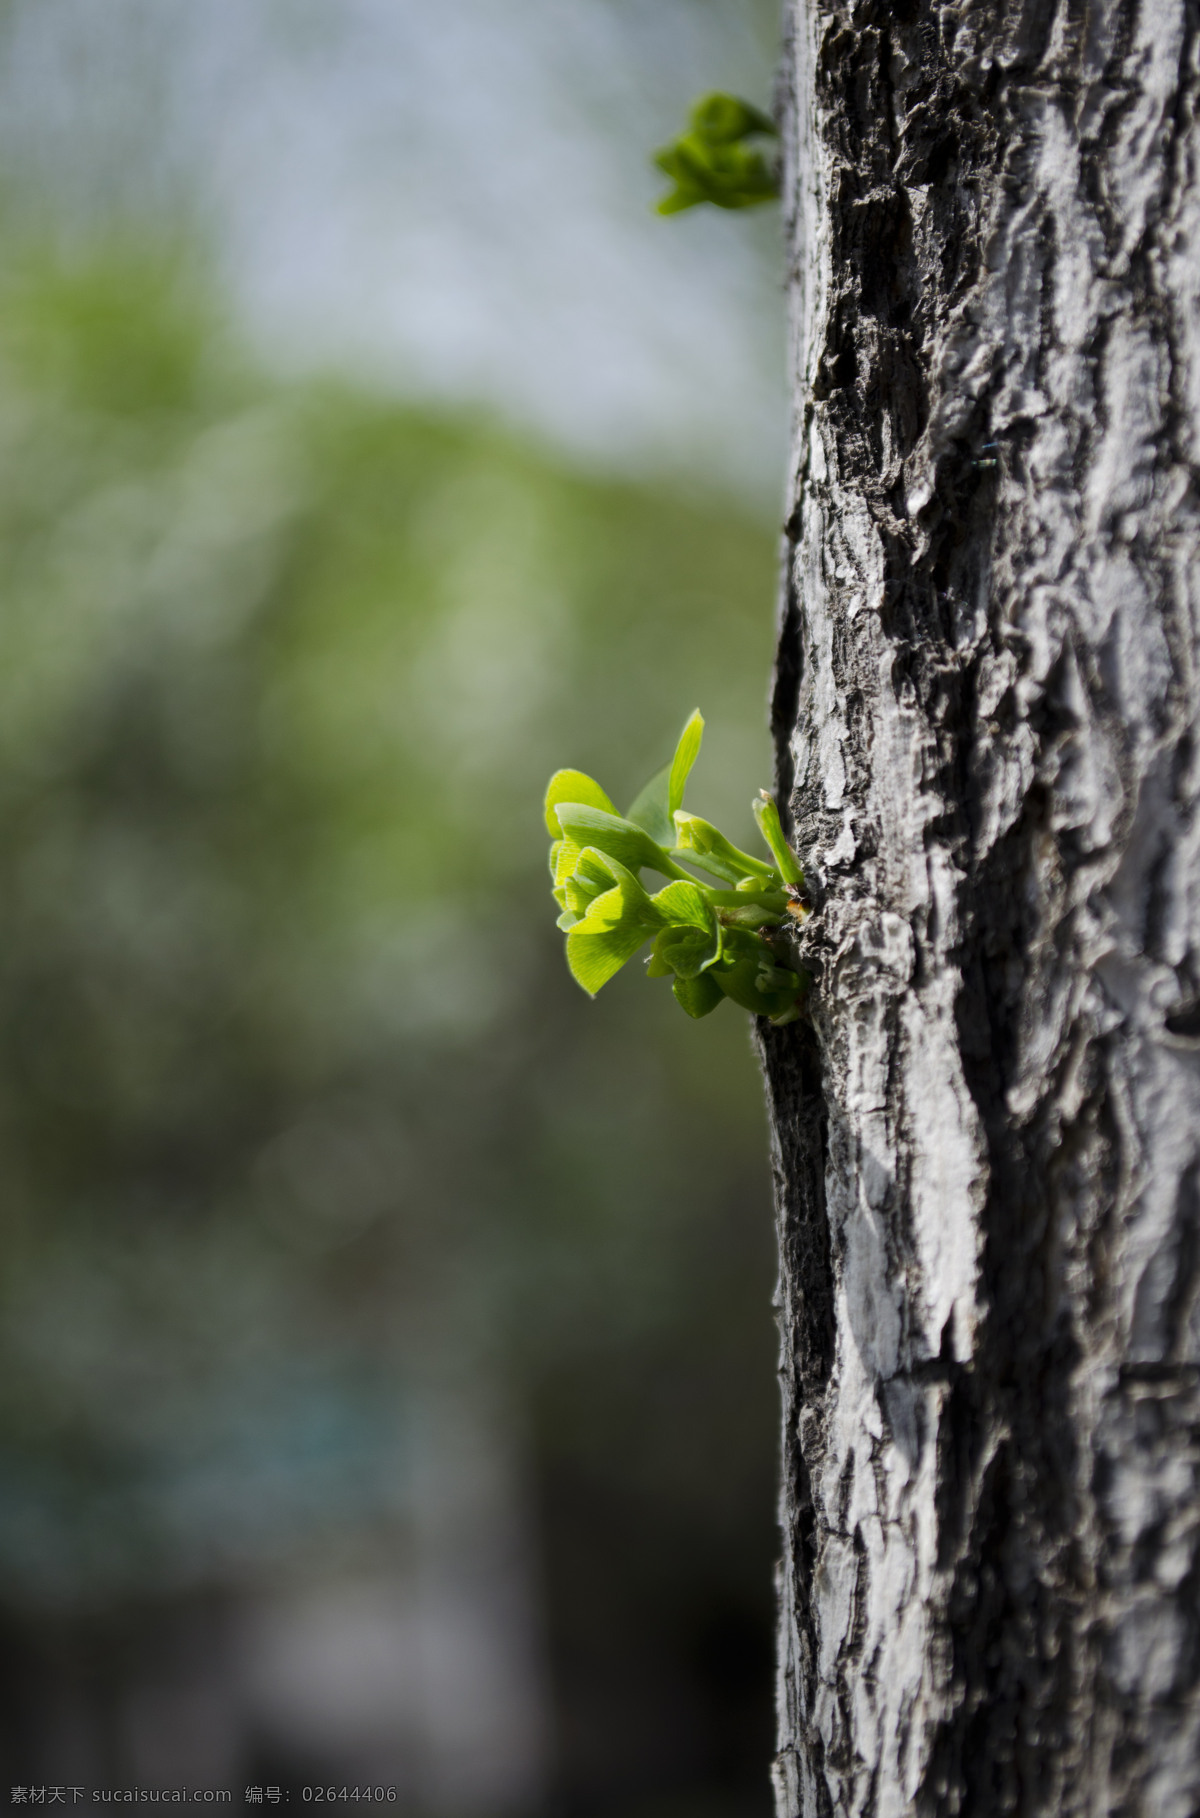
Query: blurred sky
(453, 199)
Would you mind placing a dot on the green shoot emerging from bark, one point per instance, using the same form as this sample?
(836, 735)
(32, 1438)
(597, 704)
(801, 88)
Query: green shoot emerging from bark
(713, 939)
(712, 162)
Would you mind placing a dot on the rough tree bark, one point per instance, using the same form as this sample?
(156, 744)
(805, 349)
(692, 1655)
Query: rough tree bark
(986, 707)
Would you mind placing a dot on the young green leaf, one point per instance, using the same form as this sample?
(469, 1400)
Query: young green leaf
(720, 119)
(573, 786)
(686, 753)
(767, 816)
(753, 916)
(617, 923)
(650, 809)
(595, 958)
(750, 977)
(663, 794)
(685, 902)
(711, 939)
(594, 872)
(706, 846)
(688, 951)
(564, 855)
(698, 996)
(623, 903)
(738, 979)
(754, 900)
(728, 176)
(623, 840)
(711, 163)
(577, 894)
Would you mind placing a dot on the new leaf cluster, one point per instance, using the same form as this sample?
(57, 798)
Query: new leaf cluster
(713, 939)
(712, 162)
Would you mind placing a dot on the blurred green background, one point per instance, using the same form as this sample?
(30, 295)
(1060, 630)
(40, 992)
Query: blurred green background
(388, 1369)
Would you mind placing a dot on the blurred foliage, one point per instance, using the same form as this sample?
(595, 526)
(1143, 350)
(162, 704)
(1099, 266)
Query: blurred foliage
(711, 161)
(299, 1105)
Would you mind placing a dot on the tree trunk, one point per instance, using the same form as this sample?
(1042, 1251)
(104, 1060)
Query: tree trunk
(986, 707)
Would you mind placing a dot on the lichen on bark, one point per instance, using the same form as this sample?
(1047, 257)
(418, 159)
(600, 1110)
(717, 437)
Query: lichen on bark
(986, 712)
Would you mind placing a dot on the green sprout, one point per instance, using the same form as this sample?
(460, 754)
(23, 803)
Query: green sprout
(711, 161)
(714, 939)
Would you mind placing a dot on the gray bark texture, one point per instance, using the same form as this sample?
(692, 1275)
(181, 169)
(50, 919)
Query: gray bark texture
(987, 1137)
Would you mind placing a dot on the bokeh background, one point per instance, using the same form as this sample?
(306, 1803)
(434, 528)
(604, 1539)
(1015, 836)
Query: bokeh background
(387, 1390)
